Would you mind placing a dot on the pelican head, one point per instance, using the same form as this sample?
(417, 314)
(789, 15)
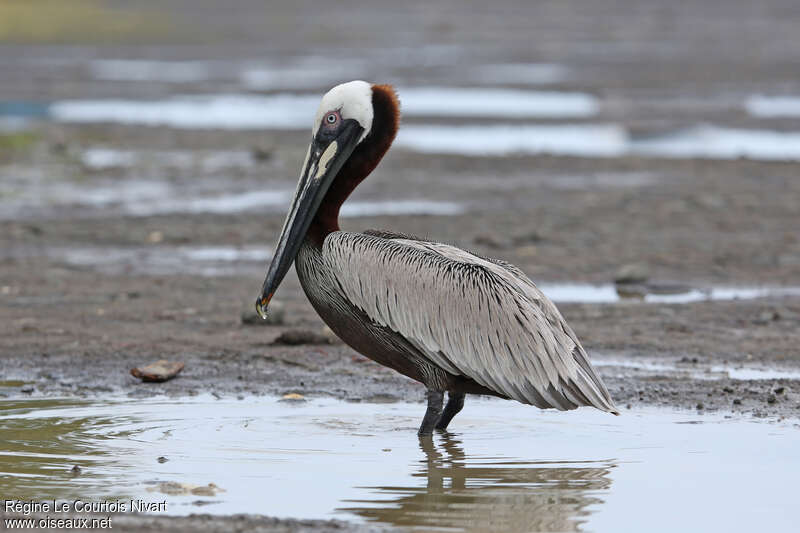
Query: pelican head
(343, 125)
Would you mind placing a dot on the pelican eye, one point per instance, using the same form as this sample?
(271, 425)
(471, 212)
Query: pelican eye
(331, 118)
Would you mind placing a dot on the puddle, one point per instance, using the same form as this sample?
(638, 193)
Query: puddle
(143, 198)
(505, 467)
(510, 103)
(23, 109)
(712, 142)
(296, 111)
(583, 140)
(165, 260)
(227, 111)
(773, 106)
(599, 140)
(220, 205)
(694, 370)
(276, 201)
(667, 294)
(99, 158)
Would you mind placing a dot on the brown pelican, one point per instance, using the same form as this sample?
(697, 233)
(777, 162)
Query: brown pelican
(454, 321)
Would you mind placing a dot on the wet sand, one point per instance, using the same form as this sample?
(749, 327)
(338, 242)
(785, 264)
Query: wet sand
(74, 327)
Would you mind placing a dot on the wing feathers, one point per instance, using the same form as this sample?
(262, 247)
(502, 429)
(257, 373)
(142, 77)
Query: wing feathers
(470, 316)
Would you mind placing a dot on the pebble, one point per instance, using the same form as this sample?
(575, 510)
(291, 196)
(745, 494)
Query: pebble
(161, 370)
(293, 397)
(632, 273)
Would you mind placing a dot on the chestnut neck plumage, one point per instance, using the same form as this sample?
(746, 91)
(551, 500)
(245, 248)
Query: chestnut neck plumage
(360, 164)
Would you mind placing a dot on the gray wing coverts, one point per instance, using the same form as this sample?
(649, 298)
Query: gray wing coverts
(470, 316)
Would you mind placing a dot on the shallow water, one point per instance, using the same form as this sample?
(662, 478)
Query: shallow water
(694, 370)
(504, 467)
(583, 140)
(482, 102)
(165, 260)
(296, 111)
(599, 140)
(773, 106)
(103, 158)
(667, 294)
(144, 197)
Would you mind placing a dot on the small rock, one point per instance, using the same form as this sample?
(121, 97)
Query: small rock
(293, 397)
(162, 459)
(779, 390)
(276, 315)
(737, 401)
(155, 237)
(488, 241)
(700, 406)
(206, 490)
(261, 154)
(727, 389)
(295, 337)
(174, 488)
(771, 398)
(161, 370)
(27, 389)
(632, 273)
(75, 470)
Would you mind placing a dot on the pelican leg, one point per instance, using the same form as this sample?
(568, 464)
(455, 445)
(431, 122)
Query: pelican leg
(455, 402)
(433, 413)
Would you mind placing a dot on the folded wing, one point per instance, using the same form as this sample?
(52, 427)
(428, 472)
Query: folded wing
(474, 317)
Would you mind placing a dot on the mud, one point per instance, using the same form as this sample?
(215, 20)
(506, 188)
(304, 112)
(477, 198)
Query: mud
(122, 244)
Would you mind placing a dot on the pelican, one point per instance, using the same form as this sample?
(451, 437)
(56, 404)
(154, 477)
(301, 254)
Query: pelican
(454, 321)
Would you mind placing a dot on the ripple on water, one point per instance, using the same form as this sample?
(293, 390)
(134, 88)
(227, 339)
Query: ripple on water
(505, 466)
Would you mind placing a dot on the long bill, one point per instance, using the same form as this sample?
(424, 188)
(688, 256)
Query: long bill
(325, 158)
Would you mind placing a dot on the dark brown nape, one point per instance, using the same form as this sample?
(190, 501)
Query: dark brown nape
(363, 160)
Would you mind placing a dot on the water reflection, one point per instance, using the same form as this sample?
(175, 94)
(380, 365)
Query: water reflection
(488, 493)
(39, 453)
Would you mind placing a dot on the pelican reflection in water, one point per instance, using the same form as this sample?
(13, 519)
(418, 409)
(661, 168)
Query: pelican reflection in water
(454, 321)
(488, 493)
